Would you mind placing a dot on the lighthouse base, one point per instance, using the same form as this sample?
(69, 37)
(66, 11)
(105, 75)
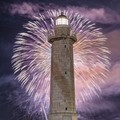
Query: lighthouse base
(65, 116)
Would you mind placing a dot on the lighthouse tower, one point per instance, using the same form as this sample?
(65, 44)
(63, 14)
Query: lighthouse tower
(62, 88)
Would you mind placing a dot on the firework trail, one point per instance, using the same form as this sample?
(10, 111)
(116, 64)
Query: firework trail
(32, 58)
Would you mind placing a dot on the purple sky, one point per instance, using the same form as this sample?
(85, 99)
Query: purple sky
(105, 13)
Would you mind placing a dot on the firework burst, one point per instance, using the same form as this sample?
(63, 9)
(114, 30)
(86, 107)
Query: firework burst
(32, 58)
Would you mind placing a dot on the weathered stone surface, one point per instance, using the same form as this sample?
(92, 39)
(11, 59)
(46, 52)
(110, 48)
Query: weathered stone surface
(62, 93)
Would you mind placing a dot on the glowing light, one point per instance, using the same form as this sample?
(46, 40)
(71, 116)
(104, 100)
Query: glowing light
(62, 20)
(32, 58)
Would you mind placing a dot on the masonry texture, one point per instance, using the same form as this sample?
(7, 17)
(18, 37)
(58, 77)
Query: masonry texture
(62, 92)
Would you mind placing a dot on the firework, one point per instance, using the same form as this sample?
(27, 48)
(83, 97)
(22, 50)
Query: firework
(32, 58)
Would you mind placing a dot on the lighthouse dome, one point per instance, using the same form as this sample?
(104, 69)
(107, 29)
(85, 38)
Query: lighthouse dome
(62, 20)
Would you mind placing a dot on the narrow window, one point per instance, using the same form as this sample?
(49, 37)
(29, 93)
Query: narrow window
(65, 46)
(65, 72)
(66, 108)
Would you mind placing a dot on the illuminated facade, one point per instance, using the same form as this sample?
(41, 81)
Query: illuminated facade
(62, 89)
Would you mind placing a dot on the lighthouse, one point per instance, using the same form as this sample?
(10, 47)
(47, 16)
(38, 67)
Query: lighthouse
(62, 84)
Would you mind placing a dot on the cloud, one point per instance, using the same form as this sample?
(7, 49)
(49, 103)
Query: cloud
(7, 79)
(113, 84)
(28, 9)
(113, 43)
(101, 15)
(107, 107)
(104, 108)
(25, 9)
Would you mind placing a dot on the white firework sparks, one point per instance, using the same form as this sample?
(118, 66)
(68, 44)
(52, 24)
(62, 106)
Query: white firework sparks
(32, 58)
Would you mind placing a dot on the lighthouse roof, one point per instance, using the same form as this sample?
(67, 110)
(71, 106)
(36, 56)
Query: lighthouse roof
(62, 20)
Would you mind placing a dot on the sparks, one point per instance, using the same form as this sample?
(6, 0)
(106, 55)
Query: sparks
(32, 58)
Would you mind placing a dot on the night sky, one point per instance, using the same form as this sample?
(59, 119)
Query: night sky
(105, 13)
